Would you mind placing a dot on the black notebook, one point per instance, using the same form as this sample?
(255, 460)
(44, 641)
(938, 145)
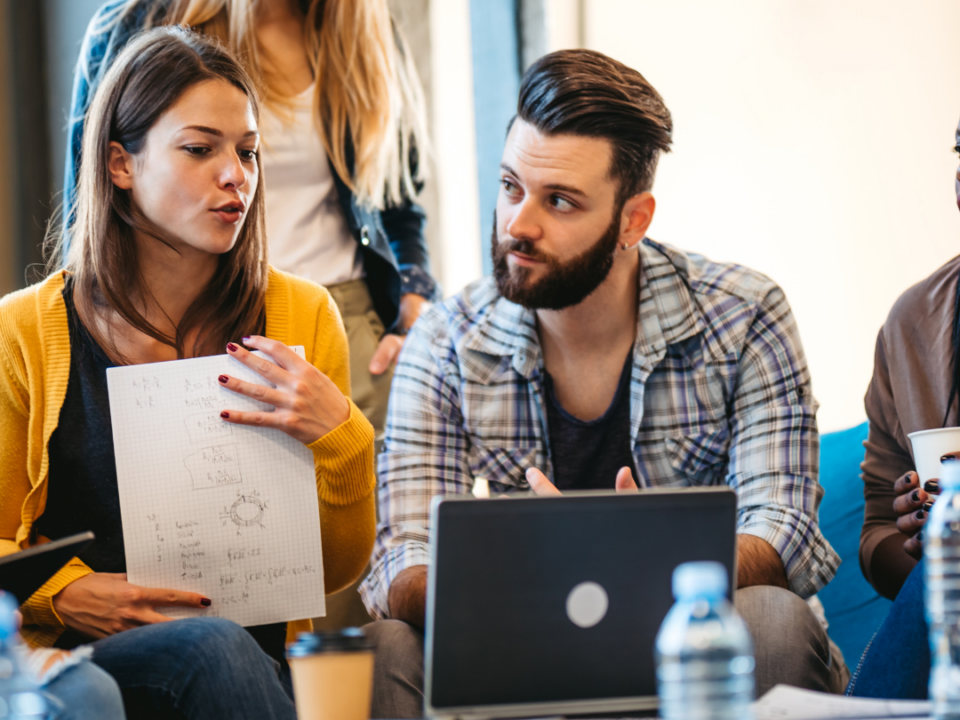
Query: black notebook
(23, 573)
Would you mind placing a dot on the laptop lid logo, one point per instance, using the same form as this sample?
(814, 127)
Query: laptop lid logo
(587, 604)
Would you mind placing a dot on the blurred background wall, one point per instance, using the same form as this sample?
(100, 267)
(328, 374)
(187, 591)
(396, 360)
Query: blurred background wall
(813, 140)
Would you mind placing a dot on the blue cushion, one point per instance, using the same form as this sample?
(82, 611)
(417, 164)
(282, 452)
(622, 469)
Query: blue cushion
(853, 607)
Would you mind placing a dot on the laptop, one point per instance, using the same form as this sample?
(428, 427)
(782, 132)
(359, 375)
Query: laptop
(550, 605)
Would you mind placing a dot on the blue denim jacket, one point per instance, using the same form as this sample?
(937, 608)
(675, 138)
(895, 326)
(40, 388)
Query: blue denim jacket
(391, 240)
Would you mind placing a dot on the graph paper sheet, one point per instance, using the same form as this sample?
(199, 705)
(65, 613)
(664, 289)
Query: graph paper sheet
(224, 510)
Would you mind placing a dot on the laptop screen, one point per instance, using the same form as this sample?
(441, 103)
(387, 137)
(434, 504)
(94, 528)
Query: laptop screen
(538, 601)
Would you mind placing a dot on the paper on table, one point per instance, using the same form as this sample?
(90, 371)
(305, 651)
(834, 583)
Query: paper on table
(228, 511)
(784, 702)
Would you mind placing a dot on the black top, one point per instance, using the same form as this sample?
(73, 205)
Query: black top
(82, 491)
(588, 455)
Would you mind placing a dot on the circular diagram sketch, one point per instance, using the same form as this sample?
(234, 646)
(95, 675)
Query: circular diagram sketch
(247, 510)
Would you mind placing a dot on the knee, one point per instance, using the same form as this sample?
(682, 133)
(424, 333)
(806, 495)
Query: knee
(102, 690)
(87, 692)
(397, 670)
(779, 619)
(215, 639)
(394, 638)
(399, 648)
(777, 613)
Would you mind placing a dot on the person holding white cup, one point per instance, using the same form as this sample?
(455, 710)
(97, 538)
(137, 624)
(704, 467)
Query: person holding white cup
(913, 410)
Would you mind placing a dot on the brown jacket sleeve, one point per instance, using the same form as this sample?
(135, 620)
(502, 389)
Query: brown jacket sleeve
(885, 461)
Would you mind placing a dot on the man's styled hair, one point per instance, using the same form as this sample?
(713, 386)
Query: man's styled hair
(583, 92)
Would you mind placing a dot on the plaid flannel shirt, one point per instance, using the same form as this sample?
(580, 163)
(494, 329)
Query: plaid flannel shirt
(719, 393)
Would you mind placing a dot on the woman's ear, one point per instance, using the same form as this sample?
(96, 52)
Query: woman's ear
(120, 164)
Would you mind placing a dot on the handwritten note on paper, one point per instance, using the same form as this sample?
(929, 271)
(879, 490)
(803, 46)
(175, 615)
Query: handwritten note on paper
(228, 511)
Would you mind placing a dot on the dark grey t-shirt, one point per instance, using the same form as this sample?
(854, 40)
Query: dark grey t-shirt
(588, 455)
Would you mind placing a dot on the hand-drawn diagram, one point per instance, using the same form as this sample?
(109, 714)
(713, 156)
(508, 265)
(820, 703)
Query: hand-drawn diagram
(206, 426)
(214, 466)
(247, 510)
(249, 536)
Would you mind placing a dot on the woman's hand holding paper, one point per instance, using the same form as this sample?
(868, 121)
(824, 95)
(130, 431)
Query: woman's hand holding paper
(102, 604)
(308, 403)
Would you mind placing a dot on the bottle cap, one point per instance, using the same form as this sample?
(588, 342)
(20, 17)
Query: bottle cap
(9, 621)
(699, 579)
(950, 474)
(347, 640)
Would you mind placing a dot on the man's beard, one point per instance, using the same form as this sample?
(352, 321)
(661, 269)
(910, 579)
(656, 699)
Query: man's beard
(565, 284)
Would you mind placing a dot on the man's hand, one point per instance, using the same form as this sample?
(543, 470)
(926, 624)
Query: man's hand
(542, 486)
(411, 305)
(759, 564)
(103, 604)
(387, 352)
(408, 596)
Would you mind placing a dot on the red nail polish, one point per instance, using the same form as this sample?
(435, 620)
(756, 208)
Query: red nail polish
(232, 347)
(225, 415)
(206, 602)
(223, 379)
(245, 338)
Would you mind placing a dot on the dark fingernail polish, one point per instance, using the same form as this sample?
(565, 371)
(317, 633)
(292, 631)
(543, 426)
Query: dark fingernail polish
(928, 505)
(225, 415)
(949, 457)
(232, 347)
(909, 479)
(921, 514)
(931, 486)
(223, 379)
(206, 602)
(915, 496)
(920, 536)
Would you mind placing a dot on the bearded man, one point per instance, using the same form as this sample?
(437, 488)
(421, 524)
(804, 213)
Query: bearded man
(598, 358)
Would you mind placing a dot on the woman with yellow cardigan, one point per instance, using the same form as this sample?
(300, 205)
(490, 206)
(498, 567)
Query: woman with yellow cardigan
(168, 260)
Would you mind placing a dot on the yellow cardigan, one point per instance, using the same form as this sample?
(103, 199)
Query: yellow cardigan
(35, 368)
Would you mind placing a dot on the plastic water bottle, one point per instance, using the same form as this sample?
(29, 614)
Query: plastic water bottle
(704, 652)
(941, 550)
(20, 698)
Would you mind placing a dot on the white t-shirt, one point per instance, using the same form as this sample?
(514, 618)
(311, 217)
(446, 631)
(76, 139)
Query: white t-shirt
(306, 230)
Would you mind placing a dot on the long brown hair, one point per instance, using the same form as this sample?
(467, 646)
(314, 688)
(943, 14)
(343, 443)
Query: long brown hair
(368, 102)
(145, 80)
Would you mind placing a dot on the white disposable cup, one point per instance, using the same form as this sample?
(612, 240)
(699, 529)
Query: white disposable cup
(929, 446)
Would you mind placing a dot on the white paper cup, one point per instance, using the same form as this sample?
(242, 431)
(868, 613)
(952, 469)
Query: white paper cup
(929, 446)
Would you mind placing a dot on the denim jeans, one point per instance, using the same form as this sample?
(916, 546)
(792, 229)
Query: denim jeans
(84, 692)
(896, 663)
(199, 668)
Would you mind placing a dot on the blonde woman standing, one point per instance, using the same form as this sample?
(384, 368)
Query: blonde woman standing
(341, 127)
